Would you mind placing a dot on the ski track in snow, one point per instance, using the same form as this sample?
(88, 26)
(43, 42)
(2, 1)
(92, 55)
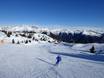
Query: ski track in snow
(19, 61)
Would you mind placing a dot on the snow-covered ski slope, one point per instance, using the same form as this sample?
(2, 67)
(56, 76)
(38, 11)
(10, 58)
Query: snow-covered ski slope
(20, 61)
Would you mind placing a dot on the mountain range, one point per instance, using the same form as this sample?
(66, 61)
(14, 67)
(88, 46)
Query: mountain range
(46, 34)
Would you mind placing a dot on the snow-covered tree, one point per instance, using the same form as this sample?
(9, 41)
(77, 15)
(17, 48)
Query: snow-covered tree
(92, 49)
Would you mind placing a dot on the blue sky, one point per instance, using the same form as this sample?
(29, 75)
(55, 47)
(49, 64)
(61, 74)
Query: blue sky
(52, 12)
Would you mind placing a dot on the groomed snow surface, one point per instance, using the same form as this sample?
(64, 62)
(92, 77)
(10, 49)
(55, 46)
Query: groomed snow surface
(22, 61)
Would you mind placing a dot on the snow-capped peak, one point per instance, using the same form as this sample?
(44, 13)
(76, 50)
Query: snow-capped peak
(91, 33)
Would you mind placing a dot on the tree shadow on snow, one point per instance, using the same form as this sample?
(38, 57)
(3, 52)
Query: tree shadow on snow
(83, 56)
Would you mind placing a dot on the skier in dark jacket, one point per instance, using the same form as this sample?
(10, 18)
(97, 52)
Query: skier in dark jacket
(58, 59)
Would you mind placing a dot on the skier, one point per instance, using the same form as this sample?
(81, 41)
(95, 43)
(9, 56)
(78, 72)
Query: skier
(58, 59)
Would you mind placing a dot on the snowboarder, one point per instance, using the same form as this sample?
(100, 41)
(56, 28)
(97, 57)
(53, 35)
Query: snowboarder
(58, 59)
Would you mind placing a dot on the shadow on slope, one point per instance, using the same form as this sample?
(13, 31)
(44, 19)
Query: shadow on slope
(83, 56)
